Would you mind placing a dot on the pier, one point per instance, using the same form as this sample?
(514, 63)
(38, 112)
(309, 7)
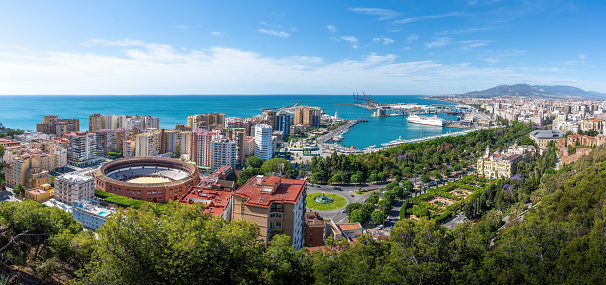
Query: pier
(280, 108)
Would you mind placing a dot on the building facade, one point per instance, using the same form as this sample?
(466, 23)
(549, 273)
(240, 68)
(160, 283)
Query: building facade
(201, 147)
(58, 127)
(74, 187)
(275, 204)
(223, 152)
(263, 142)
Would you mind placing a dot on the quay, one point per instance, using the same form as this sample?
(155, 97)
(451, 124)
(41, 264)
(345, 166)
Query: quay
(280, 108)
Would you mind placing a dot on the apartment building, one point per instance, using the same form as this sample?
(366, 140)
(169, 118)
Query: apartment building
(275, 204)
(90, 216)
(308, 116)
(28, 169)
(206, 121)
(148, 144)
(201, 147)
(35, 177)
(58, 127)
(314, 229)
(105, 141)
(173, 139)
(263, 142)
(72, 187)
(128, 148)
(81, 148)
(283, 123)
(223, 152)
(96, 122)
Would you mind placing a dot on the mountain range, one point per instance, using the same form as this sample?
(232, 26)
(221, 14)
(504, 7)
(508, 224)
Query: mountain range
(535, 91)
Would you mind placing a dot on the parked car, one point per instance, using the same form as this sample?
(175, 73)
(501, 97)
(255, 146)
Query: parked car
(380, 227)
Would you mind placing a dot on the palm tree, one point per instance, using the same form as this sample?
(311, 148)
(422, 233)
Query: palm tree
(493, 217)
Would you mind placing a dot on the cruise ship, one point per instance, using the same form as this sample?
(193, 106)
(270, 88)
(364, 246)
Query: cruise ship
(431, 121)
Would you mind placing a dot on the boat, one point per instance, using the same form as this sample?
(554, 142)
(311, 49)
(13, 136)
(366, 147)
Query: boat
(394, 142)
(423, 120)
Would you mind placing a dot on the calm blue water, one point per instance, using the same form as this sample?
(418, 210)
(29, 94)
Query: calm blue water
(23, 112)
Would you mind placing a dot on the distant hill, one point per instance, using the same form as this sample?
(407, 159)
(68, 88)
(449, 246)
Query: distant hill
(535, 91)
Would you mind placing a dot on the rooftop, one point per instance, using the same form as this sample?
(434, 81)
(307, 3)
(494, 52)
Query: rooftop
(313, 219)
(75, 177)
(547, 134)
(216, 200)
(262, 191)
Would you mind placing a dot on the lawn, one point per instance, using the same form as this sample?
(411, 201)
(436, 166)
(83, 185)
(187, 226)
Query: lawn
(338, 202)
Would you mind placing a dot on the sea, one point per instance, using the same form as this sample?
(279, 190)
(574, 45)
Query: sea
(24, 111)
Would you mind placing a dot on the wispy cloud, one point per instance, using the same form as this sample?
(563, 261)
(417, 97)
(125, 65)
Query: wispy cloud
(474, 43)
(412, 38)
(384, 14)
(464, 31)
(582, 56)
(384, 40)
(219, 34)
(496, 56)
(438, 42)
(281, 34)
(332, 28)
(156, 68)
(351, 39)
(415, 19)
(182, 27)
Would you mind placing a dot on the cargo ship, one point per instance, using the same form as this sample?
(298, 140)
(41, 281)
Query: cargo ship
(431, 121)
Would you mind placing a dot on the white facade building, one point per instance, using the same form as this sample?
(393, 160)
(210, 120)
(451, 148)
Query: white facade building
(72, 187)
(263, 141)
(90, 216)
(223, 152)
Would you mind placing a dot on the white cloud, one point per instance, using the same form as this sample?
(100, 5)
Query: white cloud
(438, 42)
(464, 31)
(412, 38)
(154, 68)
(332, 28)
(415, 19)
(384, 40)
(582, 56)
(351, 39)
(219, 34)
(182, 27)
(473, 43)
(384, 14)
(281, 34)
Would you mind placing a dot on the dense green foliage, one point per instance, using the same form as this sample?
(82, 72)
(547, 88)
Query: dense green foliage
(12, 132)
(121, 201)
(444, 154)
(254, 162)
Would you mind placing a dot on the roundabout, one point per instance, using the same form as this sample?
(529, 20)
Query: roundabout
(325, 201)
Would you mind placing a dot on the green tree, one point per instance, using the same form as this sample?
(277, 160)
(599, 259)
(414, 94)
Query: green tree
(358, 216)
(274, 165)
(246, 174)
(425, 178)
(377, 217)
(384, 206)
(19, 190)
(175, 245)
(284, 264)
(254, 162)
(407, 185)
(353, 206)
(177, 152)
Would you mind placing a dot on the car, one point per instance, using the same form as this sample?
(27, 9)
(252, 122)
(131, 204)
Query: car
(352, 195)
(342, 211)
(380, 227)
(336, 188)
(388, 219)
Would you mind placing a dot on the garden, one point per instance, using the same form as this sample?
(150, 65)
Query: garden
(325, 201)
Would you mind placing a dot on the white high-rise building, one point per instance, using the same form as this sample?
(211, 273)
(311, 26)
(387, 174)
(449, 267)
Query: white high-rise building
(72, 187)
(223, 152)
(263, 143)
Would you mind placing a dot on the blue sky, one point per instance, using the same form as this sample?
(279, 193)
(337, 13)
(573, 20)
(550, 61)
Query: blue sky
(298, 47)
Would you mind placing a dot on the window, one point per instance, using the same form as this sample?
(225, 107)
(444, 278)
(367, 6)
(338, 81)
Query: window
(275, 215)
(242, 206)
(276, 208)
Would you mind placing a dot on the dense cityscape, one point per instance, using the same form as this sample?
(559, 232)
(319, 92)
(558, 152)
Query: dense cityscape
(302, 142)
(282, 172)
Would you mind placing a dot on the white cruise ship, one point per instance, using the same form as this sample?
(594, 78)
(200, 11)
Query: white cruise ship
(423, 120)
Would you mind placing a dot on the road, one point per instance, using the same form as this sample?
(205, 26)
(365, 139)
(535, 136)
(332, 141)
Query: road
(347, 192)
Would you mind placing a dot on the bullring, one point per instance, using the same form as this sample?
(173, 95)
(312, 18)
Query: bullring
(153, 179)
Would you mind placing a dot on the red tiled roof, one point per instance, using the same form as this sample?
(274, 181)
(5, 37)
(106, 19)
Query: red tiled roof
(288, 191)
(216, 200)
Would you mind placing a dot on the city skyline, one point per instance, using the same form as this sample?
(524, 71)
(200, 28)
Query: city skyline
(242, 47)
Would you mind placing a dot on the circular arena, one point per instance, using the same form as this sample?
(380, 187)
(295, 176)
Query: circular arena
(153, 179)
